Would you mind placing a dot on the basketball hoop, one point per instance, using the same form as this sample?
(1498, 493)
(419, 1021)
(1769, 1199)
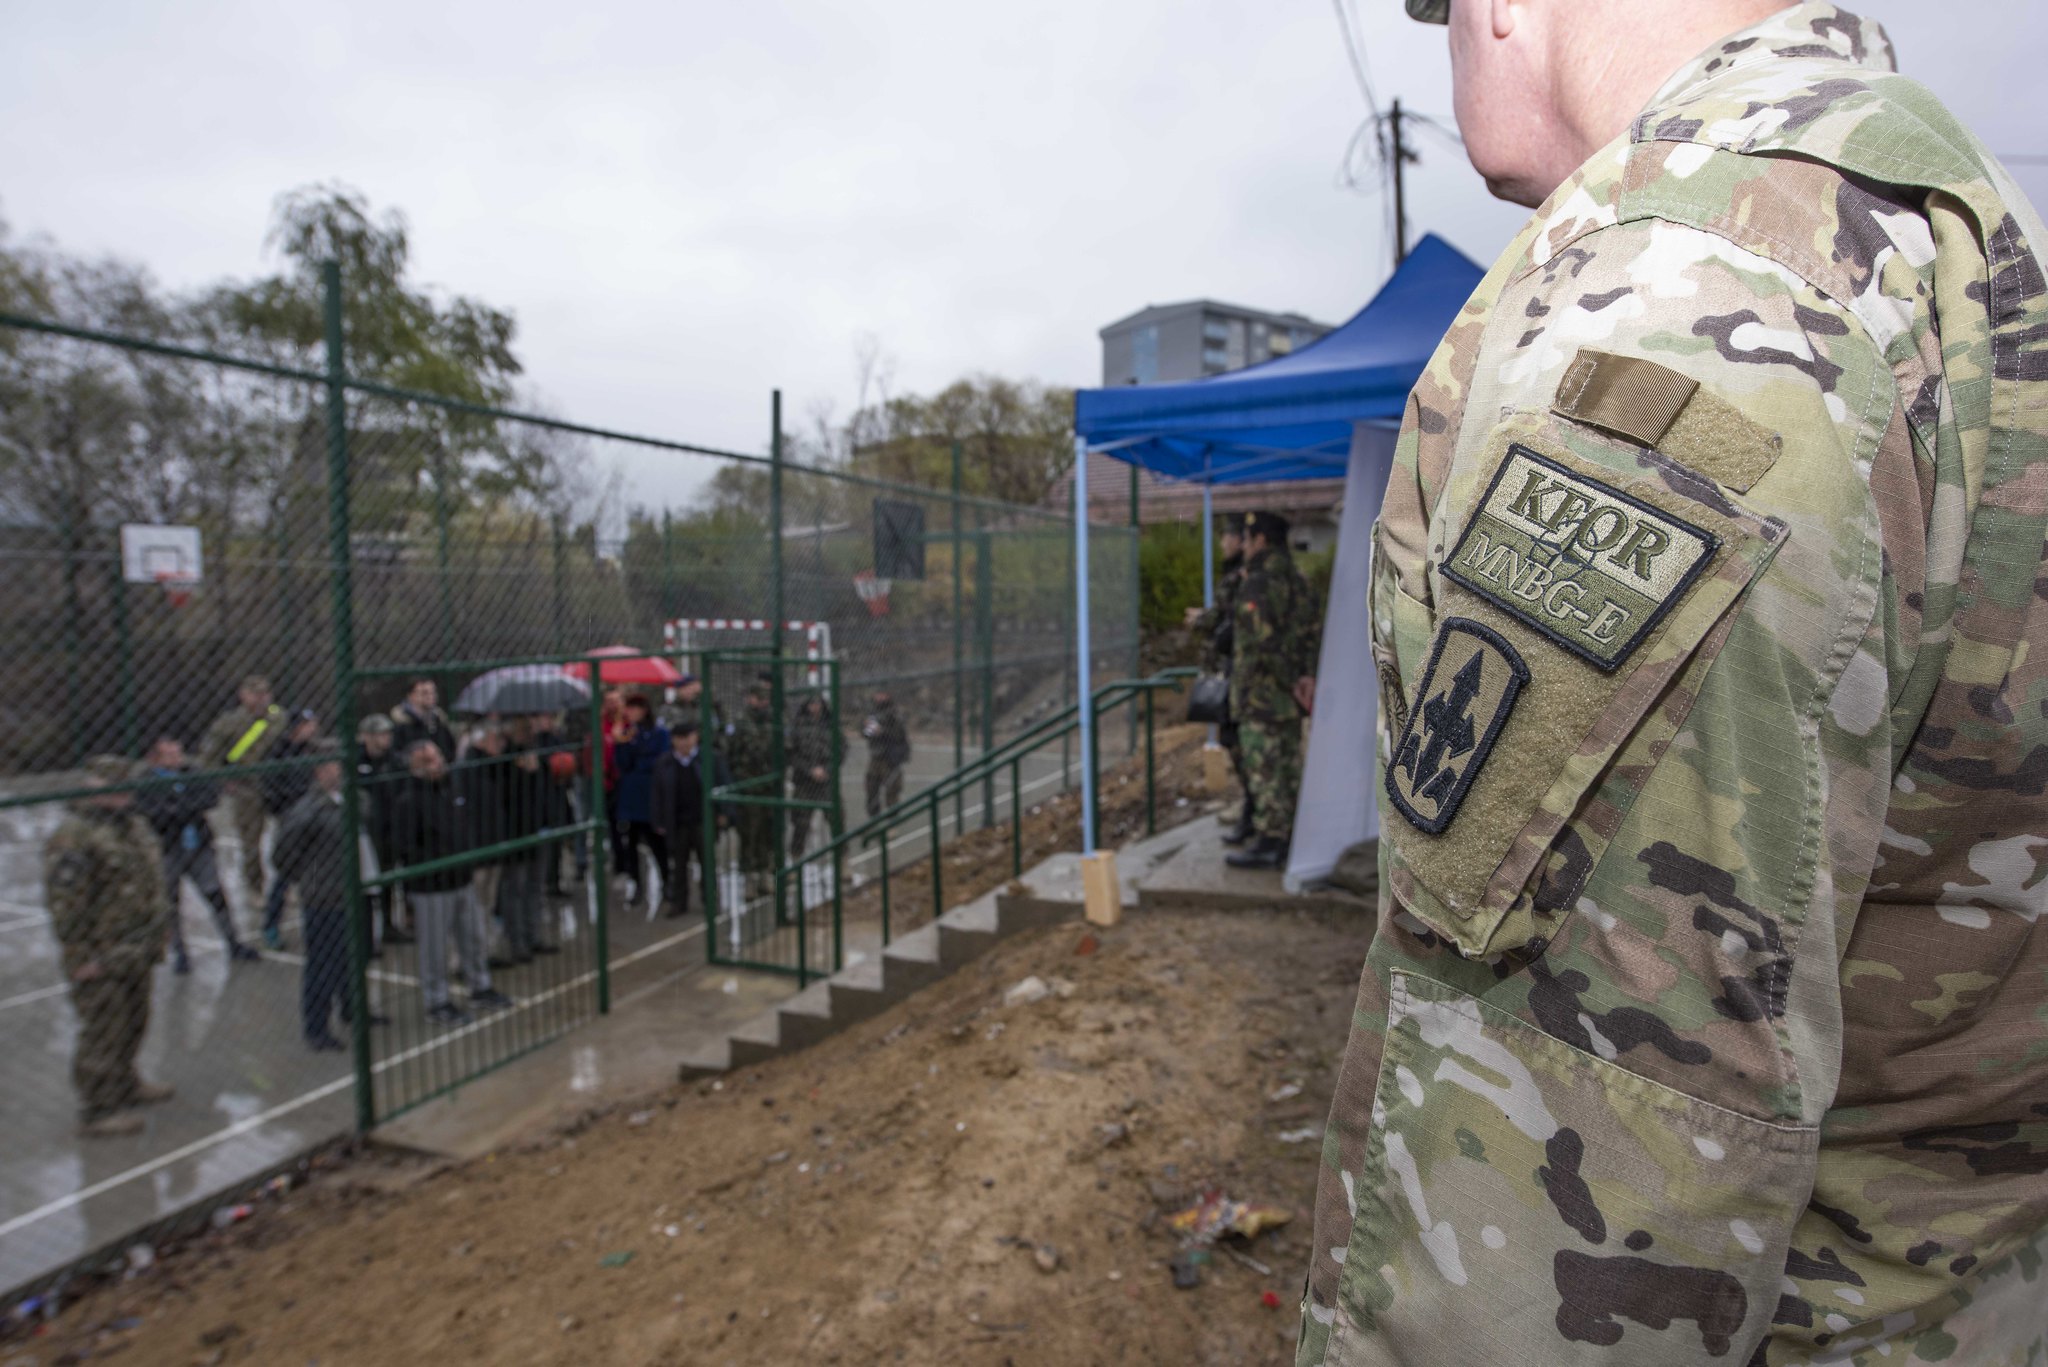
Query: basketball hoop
(177, 587)
(873, 591)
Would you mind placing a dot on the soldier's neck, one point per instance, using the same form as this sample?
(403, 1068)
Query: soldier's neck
(1604, 74)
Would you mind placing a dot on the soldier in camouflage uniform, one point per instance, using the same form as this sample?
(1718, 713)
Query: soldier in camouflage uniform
(1216, 628)
(750, 749)
(103, 879)
(1273, 664)
(1705, 1019)
(244, 734)
(810, 767)
(888, 752)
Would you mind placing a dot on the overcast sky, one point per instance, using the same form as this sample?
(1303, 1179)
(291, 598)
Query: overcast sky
(688, 204)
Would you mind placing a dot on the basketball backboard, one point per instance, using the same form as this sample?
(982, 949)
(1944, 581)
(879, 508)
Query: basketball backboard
(151, 554)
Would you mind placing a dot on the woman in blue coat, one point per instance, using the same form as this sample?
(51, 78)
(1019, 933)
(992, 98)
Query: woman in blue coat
(645, 743)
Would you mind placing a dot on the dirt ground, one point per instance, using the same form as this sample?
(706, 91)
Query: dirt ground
(886, 1197)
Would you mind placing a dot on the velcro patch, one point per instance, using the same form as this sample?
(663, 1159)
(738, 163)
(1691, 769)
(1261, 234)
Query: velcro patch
(1578, 560)
(1468, 690)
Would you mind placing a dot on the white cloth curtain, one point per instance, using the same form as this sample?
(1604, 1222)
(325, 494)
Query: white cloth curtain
(1338, 782)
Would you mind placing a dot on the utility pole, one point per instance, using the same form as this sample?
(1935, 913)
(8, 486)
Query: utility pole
(1399, 158)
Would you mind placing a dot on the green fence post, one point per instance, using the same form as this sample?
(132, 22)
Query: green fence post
(668, 567)
(837, 816)
(778, 824)
(959, 660)
(600, 877)
(885, 885)
(1016, 820)
(1151, 782)
(707, 871)
(985, 633)
(938, 878)
(285, 670)
(1137, 608)
(131, 725)
(341, 588)
(562, 599)
(441, 556)
(74, 613)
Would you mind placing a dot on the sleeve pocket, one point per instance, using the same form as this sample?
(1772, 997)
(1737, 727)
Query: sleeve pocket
(1502, 1159)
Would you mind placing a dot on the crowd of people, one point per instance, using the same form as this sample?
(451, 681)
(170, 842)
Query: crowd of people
(463, 814)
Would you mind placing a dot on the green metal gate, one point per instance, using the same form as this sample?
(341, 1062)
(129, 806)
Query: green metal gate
(772, 882)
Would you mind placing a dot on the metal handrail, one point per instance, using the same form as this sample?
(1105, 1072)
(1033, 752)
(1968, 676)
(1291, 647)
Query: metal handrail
(1011, 755)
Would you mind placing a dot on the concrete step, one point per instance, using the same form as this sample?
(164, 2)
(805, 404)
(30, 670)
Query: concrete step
(911, 962)
(759, 1040)
(806, 1018)
(858, 991)
(1050, 894)
(710, 1061)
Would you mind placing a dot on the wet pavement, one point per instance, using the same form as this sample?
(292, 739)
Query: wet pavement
(251, 1095)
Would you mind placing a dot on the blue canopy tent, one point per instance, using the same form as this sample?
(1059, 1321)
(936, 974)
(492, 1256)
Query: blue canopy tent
(1328, 410)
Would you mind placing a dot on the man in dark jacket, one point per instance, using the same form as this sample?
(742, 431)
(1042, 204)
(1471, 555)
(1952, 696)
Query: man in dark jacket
(641, 744)
(282, 788)
(431, 821)
(677, 804)
(311, 854)
(380, 770)
(176, 810)
(420, 718)
(529, 796)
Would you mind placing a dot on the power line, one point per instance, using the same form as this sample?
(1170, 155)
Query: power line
(1354, 48)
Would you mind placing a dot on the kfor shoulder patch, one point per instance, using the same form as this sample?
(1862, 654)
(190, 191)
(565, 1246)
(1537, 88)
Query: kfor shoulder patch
(1468, 690)
(1578, 560)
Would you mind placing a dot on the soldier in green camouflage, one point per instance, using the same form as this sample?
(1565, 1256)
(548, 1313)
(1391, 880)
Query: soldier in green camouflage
(1273, 660)
(750, 749)
(888, 752)
(810, 766)
(1216, 628)
(245, 734)
(1706, 1019)
(104, 883)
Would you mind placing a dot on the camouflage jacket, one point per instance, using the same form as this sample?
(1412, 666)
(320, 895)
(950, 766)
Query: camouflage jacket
(235, 737)
(103, 878)
(1216, 628)
(1275, 636)
(750, 747)
(810, 747)
(1704, 1017)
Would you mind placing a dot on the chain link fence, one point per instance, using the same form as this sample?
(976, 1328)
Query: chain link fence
(333, 631)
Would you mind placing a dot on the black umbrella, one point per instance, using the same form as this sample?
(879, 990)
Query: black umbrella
(519, 689)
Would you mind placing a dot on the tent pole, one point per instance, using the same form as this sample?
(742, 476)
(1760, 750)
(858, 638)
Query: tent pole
(1208, 552)
(1086, 690)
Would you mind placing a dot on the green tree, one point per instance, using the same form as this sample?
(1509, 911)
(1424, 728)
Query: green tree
(1016, 438)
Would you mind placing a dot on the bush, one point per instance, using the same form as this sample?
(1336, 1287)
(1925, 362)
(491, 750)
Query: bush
(1169, 574)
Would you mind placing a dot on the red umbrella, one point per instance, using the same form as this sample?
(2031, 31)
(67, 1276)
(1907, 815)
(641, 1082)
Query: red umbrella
(625, 665)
